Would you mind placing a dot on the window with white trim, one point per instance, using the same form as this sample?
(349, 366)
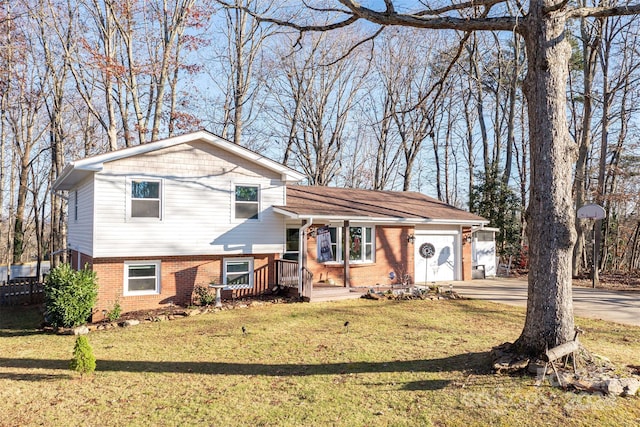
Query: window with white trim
(246, 201)
(238, 273)
(361, 241)
(145, 198)
(292, 244)
(141, 277)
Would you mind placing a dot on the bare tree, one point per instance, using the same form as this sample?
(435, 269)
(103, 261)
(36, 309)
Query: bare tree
(324, 93)
(590, 34)
(378, 107)
(615, 84)
(241, 60)
(55, 76)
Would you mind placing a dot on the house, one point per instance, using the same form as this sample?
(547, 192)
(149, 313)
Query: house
(156, 220)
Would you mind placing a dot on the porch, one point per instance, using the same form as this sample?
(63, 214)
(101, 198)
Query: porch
(288, 273)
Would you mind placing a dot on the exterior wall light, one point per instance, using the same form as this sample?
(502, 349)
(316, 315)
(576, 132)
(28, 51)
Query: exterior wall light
(411, 238)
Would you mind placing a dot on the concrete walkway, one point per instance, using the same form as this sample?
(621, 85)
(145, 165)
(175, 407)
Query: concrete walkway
(614, 306)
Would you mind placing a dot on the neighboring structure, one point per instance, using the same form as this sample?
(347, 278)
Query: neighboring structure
(158, 219)
(485, 261)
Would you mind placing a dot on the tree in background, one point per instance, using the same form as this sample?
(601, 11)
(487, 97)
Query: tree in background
(495, 201)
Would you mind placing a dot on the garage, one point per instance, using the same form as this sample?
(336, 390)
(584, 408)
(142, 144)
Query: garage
(443, 264)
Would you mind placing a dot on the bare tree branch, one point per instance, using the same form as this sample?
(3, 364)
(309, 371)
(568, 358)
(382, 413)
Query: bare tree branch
(603, 12)
(422, 19)
(416, 20)
(459, 6)
(356, 45)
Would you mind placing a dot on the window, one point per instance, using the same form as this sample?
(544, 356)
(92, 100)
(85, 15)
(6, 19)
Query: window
(246, 202)
(238, 273)
(484, 236)
(292, 242)
(141, 277)
(361, 244)
(361, 240)
(145, 199)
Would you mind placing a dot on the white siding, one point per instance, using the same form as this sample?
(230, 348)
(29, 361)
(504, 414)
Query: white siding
(197, 193)
(80, 230)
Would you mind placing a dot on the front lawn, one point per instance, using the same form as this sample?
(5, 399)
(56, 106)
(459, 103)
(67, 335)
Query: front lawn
(398, 363)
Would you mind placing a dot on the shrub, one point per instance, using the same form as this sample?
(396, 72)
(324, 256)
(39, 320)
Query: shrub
(115, 312)
(69, 296)
(205, 296)
(83, 360)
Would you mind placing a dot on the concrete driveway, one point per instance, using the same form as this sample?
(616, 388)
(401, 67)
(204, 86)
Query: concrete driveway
(614, 306)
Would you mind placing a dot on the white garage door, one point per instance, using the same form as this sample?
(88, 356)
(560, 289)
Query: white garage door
(443, 265)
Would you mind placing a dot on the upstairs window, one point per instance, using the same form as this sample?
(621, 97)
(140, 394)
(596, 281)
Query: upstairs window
(247, 204)
(145, 199)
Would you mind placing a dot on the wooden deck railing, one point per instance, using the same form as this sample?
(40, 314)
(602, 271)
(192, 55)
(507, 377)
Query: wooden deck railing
(287, 274)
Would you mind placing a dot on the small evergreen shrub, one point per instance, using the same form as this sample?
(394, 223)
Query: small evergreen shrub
(205, 296)
(115, 312)
(83, 360)
(69, 296)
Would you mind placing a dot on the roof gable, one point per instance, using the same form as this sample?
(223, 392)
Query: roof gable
(331, 203)
(78, 170)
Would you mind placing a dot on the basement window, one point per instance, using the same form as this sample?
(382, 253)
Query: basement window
(141, 277)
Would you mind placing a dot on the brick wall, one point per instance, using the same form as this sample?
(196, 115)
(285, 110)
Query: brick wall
(393, 253)
(179, 276)
(467, 257)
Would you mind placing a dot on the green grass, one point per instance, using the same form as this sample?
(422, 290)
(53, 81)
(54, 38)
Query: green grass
(414, 363)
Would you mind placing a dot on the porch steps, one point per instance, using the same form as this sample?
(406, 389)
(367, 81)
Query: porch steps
(333, 293)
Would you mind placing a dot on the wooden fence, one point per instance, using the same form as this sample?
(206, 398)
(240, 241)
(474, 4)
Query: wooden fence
(20, 291)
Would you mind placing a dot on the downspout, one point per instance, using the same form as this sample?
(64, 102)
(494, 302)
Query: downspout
(302, 253)
(463, 261)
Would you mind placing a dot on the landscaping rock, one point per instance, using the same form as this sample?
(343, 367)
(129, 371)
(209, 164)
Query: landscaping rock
(506, 360)
(614, 387)
(80, 330)
(130, 322)
(630, 386)
(180, 313)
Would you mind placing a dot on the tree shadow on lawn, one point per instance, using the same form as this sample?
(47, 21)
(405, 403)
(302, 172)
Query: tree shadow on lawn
(476, 363)
(20, 321)
(32, 377)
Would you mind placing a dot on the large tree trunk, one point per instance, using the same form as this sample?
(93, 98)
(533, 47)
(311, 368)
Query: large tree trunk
(550, 215)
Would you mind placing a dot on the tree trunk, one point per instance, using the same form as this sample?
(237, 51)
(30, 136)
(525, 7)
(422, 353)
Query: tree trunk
(513, 88)
(580, 185)
(473, 58)
(549, 320)
(18, 225)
